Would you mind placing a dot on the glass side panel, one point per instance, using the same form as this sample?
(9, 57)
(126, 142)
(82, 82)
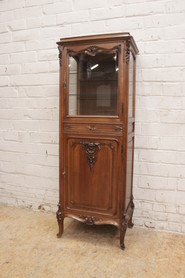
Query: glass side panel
(131, 76)
(93, 83)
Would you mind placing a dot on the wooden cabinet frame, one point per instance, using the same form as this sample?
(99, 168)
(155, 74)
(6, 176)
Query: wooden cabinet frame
(97, 151)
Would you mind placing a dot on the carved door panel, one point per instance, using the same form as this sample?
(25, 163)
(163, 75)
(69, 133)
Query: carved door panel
(91, 174)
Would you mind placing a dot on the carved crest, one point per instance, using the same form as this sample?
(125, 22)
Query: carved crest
(91, 150)
(92, 50)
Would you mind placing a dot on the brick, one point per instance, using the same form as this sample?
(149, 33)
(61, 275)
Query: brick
(59, 7)
(183, 228)
(46, 55)
(7, 5)
(8, 16)
(174, 227)
(6, 37)
(171, 7)
(83, 4)
(40, 44)
(159, 207)
(142, 9)
(163, 20)
(173, 217)
(172, 143)
(37, 2)
(8, 92)
(12, 47)
(56, 32)
(5, 59)
(181, 185)
(4, 81)
(73, 17)
(37, 22)
(91, 28)
(173, 89)
(53, 66)
(171, 208)
(151, 61)
(171, 197)
(172, 117)
(45, 137)
(107, 13)
(148, 142)
(147, 115)
(10, 69)
(159, 47)
(182, 209)
(34, 79)
(154, 182)
(3, 28)
(165, 74)
(147, 206)
(16, 58)
(43, 92)
(28, 12)
(159, 156)
(38, 67)
(17, 24)
(26, 35)
(38, 114)
(144, 194)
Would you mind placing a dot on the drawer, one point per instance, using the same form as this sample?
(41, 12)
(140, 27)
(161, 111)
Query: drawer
(112, 129)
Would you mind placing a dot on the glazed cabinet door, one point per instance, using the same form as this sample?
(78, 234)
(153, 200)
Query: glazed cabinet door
(91, 181)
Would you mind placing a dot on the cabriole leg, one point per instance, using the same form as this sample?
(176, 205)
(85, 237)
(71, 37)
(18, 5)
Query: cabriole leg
(123, 229)
(130, 223)
(60, 220)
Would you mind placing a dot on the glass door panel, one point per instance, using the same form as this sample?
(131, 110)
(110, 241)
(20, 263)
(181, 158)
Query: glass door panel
(93, 83)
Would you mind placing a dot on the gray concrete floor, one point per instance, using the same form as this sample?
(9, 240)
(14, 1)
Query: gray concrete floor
(30, 248)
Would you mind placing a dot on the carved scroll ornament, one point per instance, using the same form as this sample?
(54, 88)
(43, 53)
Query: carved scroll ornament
(127, 52)
(60, 48)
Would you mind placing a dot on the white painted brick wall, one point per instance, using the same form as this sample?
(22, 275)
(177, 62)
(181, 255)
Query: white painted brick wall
(29, 95)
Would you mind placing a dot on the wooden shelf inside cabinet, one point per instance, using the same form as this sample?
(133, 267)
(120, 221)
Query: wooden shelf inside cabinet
(97, 115)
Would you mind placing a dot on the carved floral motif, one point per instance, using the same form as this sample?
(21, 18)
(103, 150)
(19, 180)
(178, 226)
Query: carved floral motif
(89, 220)
(91, 150)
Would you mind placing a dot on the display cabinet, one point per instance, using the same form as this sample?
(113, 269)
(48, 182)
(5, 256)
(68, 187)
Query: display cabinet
(97, 122)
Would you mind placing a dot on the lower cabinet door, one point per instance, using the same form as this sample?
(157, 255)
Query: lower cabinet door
(91, 180)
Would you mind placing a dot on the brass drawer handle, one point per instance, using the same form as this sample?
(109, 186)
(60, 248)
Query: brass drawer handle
(91, 128)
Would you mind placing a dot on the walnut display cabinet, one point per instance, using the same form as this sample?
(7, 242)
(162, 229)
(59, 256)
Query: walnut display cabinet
(97, 122)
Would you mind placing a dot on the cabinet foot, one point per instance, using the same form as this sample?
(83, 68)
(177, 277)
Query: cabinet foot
(123, 229)
(130, 223)
(122, 245)
(60, 220)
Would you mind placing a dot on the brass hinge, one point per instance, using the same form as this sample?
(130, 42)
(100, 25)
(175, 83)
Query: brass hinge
(64, 173)
(64, 84)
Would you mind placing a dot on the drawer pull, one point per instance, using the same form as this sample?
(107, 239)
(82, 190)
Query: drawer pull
(91, 128)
